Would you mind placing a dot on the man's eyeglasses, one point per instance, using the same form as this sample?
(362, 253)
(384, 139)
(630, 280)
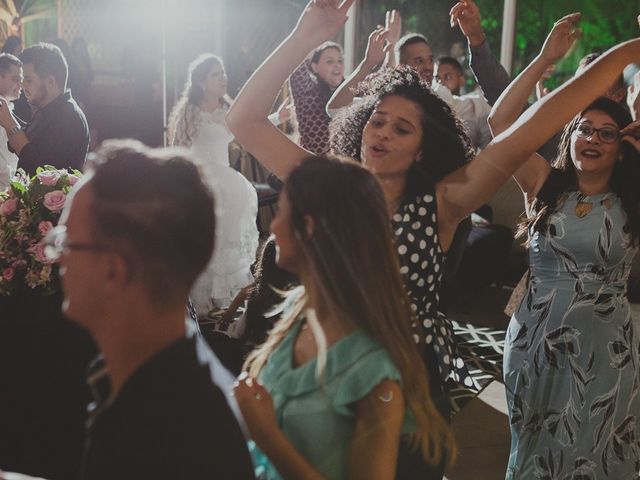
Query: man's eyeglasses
(605, 134)
(55, 244)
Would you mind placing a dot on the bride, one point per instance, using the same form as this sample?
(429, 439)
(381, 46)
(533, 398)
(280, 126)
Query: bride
(198, 124)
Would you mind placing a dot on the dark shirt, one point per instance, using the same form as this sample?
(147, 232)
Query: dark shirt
(58, 135)
(168, 421)
(493, 79)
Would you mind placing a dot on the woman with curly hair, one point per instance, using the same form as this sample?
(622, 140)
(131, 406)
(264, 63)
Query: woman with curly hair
(197, 122)
(414, 145)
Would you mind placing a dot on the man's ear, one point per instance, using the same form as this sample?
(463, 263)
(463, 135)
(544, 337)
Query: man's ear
(309, 225)
(314, 68)
(51, 83)
(118, 271)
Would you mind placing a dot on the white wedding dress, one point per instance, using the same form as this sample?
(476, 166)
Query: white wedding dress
(236, 202)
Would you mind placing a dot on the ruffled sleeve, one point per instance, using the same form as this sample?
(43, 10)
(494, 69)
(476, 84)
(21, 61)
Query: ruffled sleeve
(356, 382)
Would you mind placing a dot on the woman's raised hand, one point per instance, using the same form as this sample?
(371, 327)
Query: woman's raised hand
(375, 52)
(321, 21)
(393, 26)
(561, 37)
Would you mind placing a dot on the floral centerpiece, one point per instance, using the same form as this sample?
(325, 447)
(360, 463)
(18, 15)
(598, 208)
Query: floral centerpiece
(29, 208)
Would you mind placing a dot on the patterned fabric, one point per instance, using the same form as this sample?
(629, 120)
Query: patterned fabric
(572, 351)
(482, 350)
(310, 98)
(421, 265)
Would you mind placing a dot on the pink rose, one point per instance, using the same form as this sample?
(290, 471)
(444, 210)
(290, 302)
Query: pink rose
(37, 250)
(49, 177)
(8, 206)
(54, 201)
(72, 179)
(7, 274)
(44, 227)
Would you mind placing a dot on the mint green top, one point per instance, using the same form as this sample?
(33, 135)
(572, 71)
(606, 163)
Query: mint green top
(318, 414)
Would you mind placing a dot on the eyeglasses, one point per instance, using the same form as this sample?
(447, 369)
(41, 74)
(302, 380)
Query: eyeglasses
(605, 134)
(55, 244)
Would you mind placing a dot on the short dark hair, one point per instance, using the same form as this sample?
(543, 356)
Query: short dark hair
(153, 206)
(7, 61)
(47, 59)
(592, 57)
(450, 61)
(408, 39)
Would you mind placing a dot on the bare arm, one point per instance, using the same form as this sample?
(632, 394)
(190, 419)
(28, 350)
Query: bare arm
(374, 56)
(464, 190)
(373, 452)
(247, 118)
(533, 173)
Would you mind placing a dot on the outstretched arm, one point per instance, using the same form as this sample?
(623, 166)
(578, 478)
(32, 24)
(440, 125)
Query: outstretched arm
(247, 119)
(373, 57)
(464, 190)
(489, 72)
(393, 26)
(532, 175)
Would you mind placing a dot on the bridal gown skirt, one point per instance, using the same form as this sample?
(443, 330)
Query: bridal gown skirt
(228, 270)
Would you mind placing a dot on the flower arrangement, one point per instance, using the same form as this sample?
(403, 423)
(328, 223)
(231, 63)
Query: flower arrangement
(29, 208)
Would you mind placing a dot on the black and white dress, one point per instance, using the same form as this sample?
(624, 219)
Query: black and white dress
(422, 260)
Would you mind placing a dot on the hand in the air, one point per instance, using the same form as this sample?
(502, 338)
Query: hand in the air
(466, 14)
(561, 37)
(321, 20)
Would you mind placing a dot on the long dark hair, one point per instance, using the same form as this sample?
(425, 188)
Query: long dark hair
(351, 227)
(192, 93)
(445, 144)
(315, 58)
(563, 177)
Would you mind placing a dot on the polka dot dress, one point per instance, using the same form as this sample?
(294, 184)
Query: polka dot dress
(421, 265)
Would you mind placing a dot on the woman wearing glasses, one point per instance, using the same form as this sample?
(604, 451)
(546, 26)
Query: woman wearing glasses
(572, 352)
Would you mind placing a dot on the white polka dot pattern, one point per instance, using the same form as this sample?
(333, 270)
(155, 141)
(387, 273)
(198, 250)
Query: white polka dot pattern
(421, 260)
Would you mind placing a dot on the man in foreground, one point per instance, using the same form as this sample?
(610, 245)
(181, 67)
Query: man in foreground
(128, 260)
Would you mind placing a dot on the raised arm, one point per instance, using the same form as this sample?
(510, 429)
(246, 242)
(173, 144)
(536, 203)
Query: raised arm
(247, 119)
(393, 26)
(533, 173)
(489, 72)
(374, 56)
(464, 190)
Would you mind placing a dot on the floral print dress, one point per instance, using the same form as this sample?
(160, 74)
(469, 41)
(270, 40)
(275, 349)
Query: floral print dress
(572, 351)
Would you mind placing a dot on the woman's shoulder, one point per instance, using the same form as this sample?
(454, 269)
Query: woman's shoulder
(356, 369)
